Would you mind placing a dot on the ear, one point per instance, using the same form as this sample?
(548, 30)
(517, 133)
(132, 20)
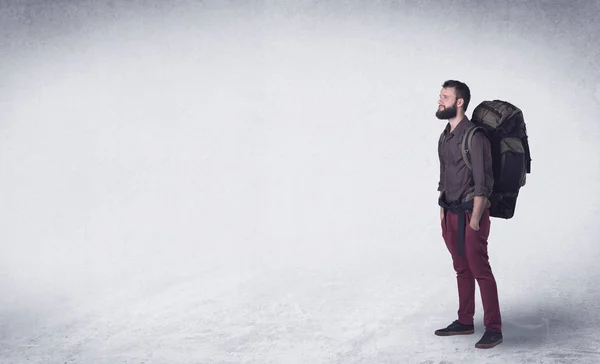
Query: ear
(460, 103)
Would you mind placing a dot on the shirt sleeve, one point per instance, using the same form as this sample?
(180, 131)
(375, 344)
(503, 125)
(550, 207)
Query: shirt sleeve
(481, 161)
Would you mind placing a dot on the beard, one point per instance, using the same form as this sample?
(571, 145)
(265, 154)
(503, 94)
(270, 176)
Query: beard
(447, 113)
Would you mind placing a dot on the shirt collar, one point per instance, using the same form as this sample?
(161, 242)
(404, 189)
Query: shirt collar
(459, 127)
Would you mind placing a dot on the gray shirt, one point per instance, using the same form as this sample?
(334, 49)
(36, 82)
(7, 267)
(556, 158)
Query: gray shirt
(456, 181)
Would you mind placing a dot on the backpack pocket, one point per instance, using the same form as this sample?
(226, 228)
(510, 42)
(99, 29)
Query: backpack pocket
(512, 165)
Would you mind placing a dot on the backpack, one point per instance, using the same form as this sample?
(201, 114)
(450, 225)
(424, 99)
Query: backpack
(504, 126)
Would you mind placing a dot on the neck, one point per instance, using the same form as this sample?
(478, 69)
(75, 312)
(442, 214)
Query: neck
(455, 120)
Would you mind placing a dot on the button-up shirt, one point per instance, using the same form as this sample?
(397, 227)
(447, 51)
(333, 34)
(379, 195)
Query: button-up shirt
(457, 182)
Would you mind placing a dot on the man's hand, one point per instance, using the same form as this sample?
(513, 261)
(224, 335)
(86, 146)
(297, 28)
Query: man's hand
(478, 207)
(441, 214)
(474, 223)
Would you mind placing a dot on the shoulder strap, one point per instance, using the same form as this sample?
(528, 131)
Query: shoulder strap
(467, 143)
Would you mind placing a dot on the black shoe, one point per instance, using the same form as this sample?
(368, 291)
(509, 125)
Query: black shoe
(489, 340)
(456, 328)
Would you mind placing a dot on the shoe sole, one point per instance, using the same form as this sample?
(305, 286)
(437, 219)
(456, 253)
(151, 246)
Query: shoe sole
(488, 346)
(453, 333)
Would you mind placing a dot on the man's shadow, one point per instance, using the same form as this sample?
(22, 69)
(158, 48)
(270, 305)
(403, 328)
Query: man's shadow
(564, 329)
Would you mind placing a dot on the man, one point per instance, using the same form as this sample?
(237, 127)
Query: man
(465, 215)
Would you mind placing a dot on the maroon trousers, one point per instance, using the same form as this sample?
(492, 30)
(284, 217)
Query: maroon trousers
(473, 264)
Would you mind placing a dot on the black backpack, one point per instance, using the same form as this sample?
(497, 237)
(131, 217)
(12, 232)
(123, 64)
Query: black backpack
(504, 126)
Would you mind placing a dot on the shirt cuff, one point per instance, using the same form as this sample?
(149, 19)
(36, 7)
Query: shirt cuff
(482, 191)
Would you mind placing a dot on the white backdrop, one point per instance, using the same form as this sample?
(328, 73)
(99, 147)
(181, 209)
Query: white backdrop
(217, 183)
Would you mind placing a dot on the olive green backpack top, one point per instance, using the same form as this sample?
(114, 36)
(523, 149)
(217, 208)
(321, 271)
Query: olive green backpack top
(504, 126)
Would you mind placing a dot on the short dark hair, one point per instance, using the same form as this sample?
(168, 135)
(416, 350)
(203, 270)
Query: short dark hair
(462, 91)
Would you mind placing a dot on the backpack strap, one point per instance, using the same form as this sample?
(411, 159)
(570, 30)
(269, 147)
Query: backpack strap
(527, 153)
(467, 143)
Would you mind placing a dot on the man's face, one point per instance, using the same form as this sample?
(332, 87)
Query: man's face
(447, 104)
